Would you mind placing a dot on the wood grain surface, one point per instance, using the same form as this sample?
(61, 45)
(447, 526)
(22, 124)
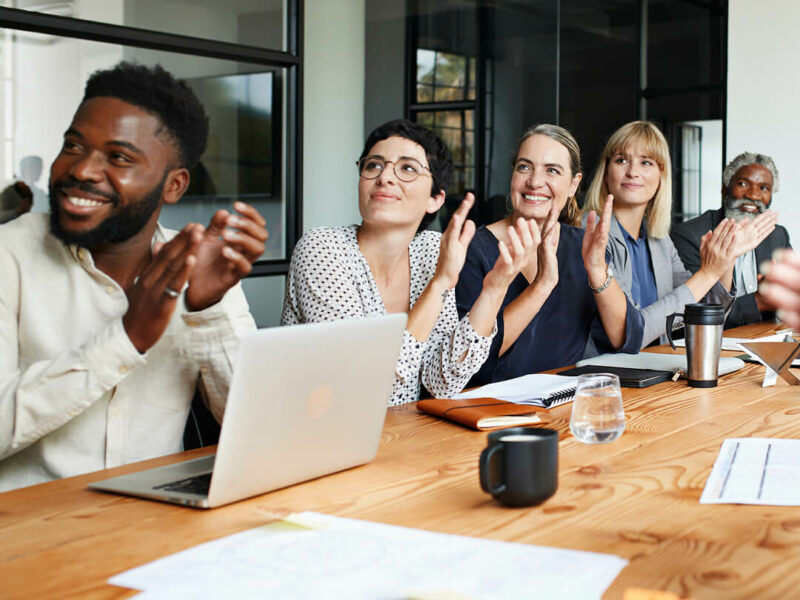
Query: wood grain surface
(637, 497)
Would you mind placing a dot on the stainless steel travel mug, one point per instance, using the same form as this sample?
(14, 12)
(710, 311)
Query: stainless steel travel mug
(703, 326)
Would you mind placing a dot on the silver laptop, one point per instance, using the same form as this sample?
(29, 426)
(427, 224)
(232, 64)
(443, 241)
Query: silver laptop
(304, 401)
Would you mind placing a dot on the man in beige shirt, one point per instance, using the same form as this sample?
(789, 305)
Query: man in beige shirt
(106, 319)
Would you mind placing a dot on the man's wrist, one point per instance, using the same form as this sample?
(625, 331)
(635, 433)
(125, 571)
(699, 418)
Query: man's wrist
(197, 306)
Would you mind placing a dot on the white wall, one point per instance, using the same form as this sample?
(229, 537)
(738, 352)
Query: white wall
(333, 110)
(711, 164)
(763, 93)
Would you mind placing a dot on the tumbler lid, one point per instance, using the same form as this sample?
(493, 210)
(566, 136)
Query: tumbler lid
(704, 314)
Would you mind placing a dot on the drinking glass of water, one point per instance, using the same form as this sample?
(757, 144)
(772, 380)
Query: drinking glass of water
(597, 415)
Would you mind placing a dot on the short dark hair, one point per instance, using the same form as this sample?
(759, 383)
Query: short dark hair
(158, 92)
(440, 161)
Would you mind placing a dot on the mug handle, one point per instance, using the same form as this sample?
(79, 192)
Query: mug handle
(485, 470)
(670, 321)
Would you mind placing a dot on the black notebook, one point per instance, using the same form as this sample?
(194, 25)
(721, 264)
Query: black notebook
(632, 378)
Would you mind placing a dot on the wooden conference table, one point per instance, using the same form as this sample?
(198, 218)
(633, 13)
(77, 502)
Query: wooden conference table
(636, 498)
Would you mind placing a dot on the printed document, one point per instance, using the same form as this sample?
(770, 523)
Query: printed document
(755, 471)
(311, 555)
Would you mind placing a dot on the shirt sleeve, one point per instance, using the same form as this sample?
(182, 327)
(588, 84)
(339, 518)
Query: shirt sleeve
(455, 351)
(214, 341)
(468, 288)
(43, 396)
(634, 329)
(654, 316)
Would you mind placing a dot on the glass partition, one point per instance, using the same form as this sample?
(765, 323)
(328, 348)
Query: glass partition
(42, 79)
(260, 23)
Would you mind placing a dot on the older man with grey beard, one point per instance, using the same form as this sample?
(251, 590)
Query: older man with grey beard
(748, 183)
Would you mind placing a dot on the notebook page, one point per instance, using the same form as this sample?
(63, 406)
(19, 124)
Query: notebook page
(523, 389)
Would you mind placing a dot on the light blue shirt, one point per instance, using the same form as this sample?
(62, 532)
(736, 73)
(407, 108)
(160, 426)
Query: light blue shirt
(643, 284)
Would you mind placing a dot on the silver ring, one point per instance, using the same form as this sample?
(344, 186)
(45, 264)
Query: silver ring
(171, 293)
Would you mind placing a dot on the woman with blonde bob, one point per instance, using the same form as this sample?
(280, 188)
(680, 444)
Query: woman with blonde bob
(635, 171)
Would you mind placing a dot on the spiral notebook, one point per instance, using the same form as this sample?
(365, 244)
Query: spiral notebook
(537, 389)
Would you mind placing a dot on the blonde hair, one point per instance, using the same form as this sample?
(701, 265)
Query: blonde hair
(644, 135)
(570, 214)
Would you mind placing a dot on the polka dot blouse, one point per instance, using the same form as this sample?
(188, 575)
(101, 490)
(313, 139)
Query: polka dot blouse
(329, 279)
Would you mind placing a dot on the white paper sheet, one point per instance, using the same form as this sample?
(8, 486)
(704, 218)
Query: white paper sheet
(732, 343)
(755, 471)
(523, 389)
(319, 556)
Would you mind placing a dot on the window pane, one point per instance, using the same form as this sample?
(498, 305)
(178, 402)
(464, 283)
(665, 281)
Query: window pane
(424, 93)
(455, 129)
(472, 80)
(425, 118)
(451, 77)
(469, 148)
(452, 139)
(443, 77)
(265, 297)
(250, 22)
(426, 60)
(244, 103)
(451, 70)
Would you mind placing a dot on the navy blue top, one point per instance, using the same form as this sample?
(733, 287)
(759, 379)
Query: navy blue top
(557, 335)
(643, 282)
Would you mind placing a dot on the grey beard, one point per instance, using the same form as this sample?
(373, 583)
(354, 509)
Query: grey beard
(732, 208)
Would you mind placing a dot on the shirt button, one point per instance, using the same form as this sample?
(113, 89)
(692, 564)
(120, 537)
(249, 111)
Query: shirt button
(191, 323)
(109, 289)
(204, 370)
(123, 369)
(83, 253)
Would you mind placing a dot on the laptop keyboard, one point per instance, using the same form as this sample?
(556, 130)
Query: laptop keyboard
(198, 484)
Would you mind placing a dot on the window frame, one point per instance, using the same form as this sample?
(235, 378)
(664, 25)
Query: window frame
(291, 60)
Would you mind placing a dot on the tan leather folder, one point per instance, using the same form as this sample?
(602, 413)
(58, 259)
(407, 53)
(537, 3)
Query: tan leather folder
(482, 413)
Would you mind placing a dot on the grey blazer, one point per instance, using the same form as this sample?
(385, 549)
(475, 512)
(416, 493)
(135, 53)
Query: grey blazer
(670, 275)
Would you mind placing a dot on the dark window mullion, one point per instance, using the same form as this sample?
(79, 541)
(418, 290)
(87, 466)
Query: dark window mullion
(25, 20)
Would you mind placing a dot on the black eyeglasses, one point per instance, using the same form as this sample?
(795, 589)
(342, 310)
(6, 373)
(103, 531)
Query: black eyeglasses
(405, 169)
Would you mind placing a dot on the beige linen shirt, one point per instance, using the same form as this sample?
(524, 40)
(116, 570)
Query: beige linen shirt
(75, 394)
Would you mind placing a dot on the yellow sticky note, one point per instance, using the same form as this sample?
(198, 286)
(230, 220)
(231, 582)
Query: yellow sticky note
(642, 594)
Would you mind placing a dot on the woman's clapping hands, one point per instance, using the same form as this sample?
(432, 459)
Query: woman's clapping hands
(519, 253)
(455, 240)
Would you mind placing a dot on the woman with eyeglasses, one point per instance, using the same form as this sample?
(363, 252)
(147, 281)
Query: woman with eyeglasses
(390, 263)
(635, 169)
(565, 294)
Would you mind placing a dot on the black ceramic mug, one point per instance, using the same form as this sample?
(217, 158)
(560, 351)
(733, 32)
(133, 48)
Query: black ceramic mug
(519, 467)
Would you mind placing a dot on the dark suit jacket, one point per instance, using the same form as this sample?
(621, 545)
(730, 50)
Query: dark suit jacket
(686, 237)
